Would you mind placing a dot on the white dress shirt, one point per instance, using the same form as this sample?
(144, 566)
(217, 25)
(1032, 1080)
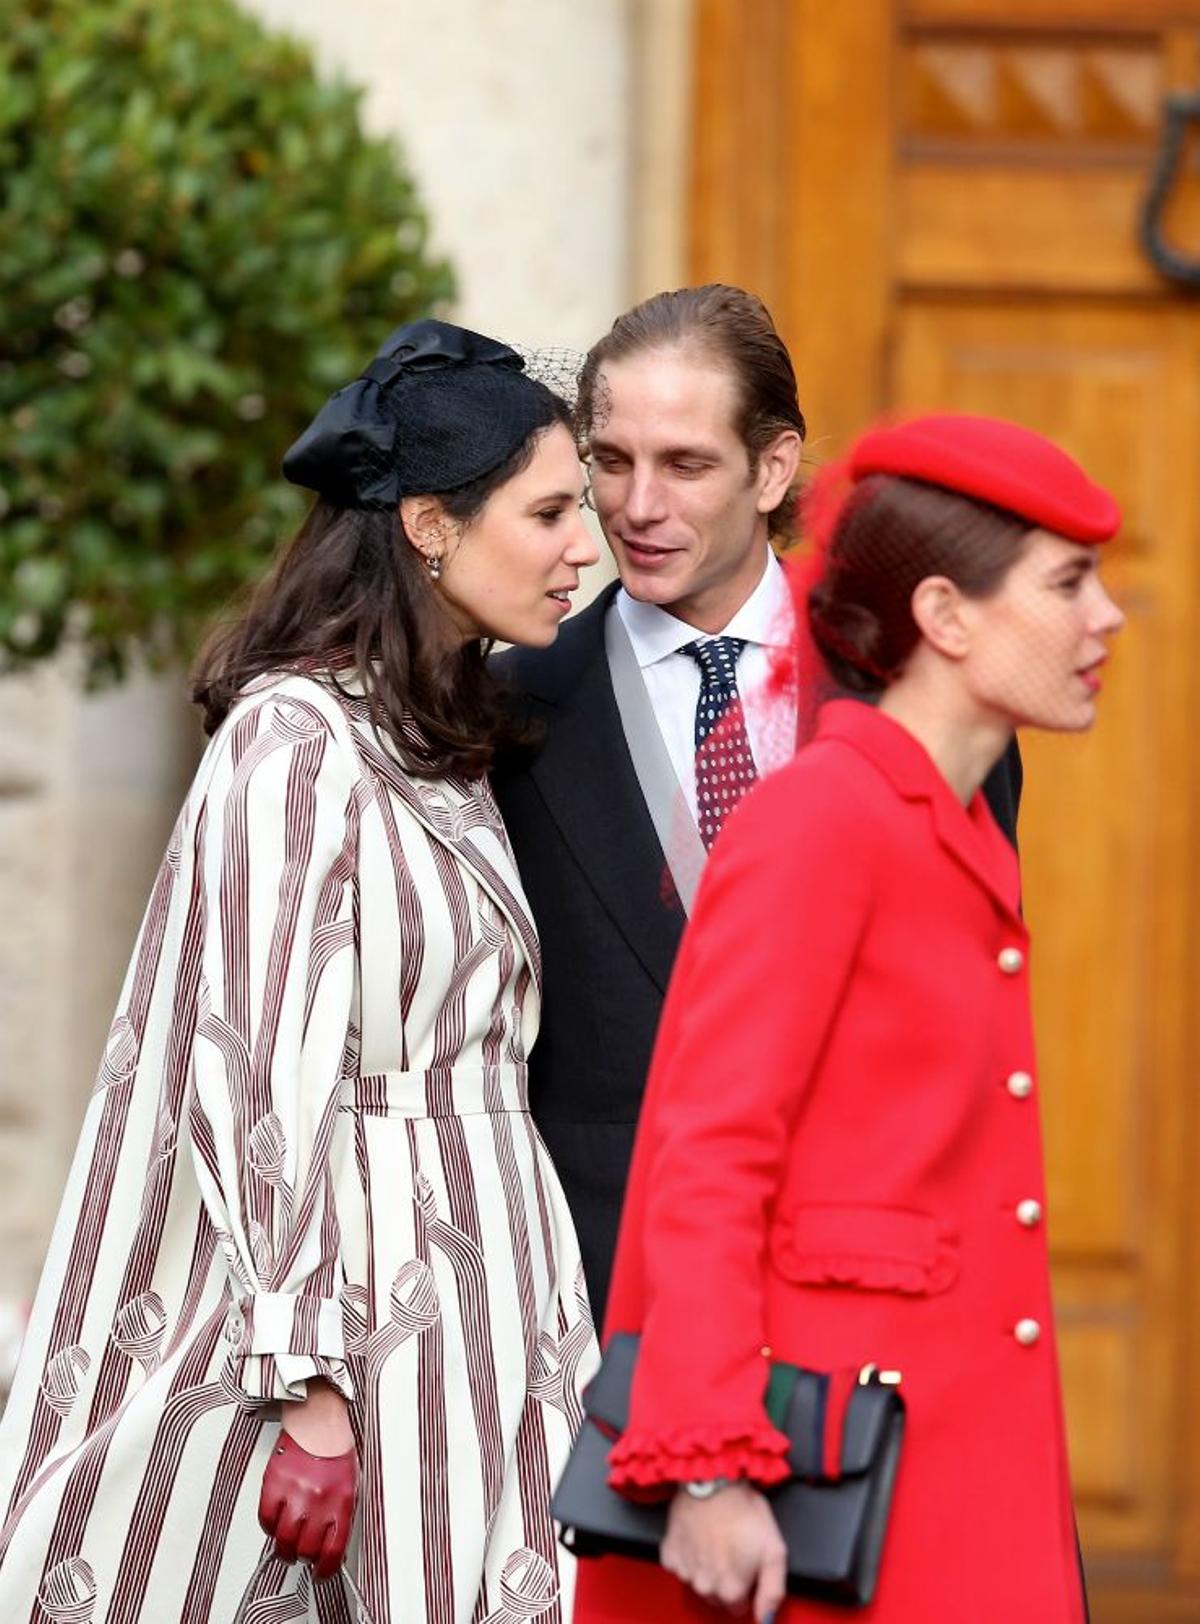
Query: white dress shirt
(766, 621)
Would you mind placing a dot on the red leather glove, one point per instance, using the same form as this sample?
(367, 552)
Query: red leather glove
(307, 1504)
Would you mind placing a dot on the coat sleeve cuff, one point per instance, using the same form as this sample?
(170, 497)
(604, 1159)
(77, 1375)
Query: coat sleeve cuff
(643, 1461)
(285, 1322)
(284, 1340)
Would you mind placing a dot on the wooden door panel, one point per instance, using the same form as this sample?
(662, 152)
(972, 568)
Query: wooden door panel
(1027, 91)
(1042, 231)
(960, 230)
(1024, 155)
(1085, 15)
(1105, 829)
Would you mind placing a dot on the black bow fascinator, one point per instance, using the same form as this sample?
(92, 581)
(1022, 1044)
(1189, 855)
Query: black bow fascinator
(438, 407)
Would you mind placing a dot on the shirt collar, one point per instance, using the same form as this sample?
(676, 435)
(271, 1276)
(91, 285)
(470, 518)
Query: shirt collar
(768, 618)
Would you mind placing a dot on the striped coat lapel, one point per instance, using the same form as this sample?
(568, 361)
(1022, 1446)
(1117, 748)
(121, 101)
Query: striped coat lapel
(463, 817)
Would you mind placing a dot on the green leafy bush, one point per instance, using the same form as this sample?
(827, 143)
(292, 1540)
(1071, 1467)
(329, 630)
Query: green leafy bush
(197, 243)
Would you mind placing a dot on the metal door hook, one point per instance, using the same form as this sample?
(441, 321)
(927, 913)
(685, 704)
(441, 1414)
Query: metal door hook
(1179, 111)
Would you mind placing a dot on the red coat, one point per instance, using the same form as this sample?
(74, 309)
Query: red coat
(839, 1160)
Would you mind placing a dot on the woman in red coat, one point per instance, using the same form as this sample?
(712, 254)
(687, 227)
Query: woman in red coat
(840, 1159)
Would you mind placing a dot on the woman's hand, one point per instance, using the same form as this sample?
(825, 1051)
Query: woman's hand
(311, 1482)
(728, 1548)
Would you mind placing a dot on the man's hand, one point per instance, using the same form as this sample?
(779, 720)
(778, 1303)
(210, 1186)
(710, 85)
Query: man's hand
(728, 1549)
(310, 1485)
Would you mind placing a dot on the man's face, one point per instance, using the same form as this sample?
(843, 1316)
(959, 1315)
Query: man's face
(684, 512)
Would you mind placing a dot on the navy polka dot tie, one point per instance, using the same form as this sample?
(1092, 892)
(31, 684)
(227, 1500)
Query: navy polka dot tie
(724, 765)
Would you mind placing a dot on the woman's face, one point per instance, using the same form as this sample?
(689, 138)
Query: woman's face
(1036, 646)
(510, 571)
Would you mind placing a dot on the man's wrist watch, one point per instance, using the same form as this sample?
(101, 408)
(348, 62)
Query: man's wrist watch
(705, 1488)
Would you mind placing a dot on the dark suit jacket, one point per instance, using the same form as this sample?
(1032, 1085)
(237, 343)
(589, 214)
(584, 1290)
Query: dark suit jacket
(607, 915)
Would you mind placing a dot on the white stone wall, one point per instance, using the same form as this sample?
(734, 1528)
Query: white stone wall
(89, 787)
(516, 116)
(36, 915)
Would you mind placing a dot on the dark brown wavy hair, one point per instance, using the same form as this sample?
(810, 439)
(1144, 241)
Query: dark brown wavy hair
(349, 593)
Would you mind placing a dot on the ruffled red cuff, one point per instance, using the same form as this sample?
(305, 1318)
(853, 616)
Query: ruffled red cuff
(647, 1460)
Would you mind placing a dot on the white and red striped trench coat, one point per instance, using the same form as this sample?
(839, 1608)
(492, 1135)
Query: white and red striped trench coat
(308, 1151)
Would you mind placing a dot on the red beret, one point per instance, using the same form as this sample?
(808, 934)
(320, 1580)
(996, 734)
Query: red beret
(1002, 463)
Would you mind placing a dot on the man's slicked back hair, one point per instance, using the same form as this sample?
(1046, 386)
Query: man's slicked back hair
(732, 329)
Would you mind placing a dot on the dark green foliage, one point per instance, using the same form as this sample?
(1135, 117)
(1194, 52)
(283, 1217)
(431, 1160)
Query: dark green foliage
(197, 243)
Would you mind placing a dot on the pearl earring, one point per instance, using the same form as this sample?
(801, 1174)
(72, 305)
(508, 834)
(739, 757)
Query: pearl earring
(434, 565)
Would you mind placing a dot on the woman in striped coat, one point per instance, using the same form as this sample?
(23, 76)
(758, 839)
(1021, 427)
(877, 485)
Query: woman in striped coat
(308, 1189)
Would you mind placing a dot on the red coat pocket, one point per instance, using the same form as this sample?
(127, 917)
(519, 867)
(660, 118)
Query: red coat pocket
(832, 1243)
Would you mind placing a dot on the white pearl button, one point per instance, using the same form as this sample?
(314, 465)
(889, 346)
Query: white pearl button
(1029, 1213)
(1027, 1332)
(1019, 1085)
(1011, 960)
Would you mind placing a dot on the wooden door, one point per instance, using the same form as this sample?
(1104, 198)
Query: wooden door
(939, 199)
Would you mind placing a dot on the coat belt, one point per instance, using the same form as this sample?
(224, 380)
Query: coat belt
(440, 1091)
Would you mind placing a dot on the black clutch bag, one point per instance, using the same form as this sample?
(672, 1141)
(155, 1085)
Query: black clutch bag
(833, 1527)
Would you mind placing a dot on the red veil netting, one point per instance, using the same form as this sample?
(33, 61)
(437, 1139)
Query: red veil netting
(798, 668)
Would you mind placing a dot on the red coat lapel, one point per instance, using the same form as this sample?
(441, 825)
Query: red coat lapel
(968, 833)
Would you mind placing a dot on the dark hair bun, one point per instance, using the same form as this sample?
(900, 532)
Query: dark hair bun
(850, 637)
(889, 535)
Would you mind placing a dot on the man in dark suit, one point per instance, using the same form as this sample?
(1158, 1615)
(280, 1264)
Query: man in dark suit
(658, 705)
